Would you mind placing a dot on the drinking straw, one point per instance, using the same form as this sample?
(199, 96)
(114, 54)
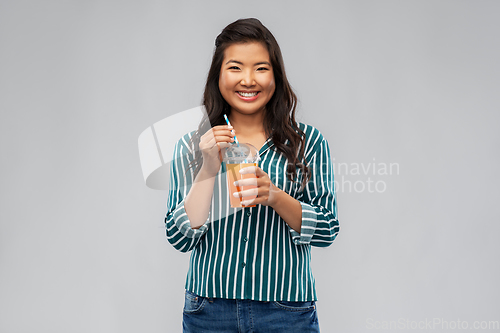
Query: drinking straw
(227, 121)
(233, 171)
(235, 138)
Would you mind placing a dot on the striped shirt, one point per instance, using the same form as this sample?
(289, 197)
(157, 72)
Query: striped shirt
(251, 252)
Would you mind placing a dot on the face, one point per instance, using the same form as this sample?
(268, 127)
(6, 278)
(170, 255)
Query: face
(246, 78)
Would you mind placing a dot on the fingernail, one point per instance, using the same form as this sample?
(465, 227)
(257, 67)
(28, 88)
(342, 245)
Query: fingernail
(235, 183)
(235, 194)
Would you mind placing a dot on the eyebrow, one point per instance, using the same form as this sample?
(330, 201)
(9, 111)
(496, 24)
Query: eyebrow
(259, 63)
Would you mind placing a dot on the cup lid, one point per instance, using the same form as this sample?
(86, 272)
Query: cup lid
(241, 153)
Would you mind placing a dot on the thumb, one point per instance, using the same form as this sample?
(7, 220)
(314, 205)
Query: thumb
(222, 149)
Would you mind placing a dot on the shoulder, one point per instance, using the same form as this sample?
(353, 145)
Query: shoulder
(183, 145)
(313, 137)
(310, 131)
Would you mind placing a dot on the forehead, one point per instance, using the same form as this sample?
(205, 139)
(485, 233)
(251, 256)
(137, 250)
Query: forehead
(251, 51)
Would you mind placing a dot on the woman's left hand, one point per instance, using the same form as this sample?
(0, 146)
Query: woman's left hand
(267, 193)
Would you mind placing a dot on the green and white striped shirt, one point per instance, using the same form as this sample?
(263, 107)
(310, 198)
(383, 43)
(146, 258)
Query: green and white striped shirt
(251, 253)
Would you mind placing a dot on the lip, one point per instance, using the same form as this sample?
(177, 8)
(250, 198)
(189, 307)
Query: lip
(247, 99)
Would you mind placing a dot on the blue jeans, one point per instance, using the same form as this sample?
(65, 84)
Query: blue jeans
(219, 315)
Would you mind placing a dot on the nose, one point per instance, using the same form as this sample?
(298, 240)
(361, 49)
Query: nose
(247, 78)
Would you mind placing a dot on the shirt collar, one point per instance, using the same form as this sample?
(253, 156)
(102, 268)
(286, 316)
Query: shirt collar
(267, 145)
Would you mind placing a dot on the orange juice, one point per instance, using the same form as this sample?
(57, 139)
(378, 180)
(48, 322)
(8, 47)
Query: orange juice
(233, 174)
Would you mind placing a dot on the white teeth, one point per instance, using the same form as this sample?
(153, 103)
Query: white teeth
(244, 94)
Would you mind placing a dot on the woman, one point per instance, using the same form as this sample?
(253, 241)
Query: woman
(250, 268)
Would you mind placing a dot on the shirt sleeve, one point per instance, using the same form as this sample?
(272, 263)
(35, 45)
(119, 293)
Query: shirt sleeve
(318, 200)
(177, 223)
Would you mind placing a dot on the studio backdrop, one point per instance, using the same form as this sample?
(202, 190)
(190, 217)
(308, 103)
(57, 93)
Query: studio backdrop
(405, 92)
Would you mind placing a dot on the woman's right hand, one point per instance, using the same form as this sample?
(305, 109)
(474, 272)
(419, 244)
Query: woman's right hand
(213, 145)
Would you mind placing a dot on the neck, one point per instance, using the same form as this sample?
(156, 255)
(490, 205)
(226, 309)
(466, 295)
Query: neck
(247, 124)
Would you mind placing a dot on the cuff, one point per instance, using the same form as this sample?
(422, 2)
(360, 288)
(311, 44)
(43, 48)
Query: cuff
(309, 221)
(184, 225)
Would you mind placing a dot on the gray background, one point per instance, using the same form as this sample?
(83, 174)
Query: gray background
(82, 245)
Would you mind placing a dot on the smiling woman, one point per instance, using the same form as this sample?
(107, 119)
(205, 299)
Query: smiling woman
(246, 78)
(250, 268)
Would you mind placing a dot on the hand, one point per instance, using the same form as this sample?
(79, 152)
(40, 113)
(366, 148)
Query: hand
(267, 193)
(213, 144)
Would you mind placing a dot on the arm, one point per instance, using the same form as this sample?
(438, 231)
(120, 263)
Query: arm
(189, 201)
(312, 217)
(197, 203)
(199, 199)
(178, 225)
(289, 209)
(318, 201)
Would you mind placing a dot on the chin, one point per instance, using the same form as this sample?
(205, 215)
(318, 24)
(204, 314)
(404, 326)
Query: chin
(247, 111)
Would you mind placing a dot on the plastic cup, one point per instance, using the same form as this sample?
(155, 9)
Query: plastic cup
(237, 157)
(233, 174)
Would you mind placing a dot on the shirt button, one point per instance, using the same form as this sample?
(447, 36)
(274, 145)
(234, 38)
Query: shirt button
(245, 239)
(243, 264)
(249, 213)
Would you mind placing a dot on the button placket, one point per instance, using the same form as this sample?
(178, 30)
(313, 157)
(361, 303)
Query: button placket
(245, 242)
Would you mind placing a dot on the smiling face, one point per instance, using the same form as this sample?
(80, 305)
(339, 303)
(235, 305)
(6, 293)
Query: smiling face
(246, 78)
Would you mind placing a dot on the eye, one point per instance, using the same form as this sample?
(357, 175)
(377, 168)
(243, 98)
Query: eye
(262, 69)
(234, 67)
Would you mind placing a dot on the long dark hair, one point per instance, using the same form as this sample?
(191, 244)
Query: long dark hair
(279, 119)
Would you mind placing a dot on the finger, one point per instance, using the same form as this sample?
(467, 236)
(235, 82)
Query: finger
(222, 127)
(222, 138)
(224, 145)
(222, 148)
(219, 130)
(246, 193)
(225, 135)
(248, 170)
(210, 146)
(207, 143)
(256, 201)
(247, 182)
(208, 135)
(247, 203)
(255, 170)
(224, 132)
